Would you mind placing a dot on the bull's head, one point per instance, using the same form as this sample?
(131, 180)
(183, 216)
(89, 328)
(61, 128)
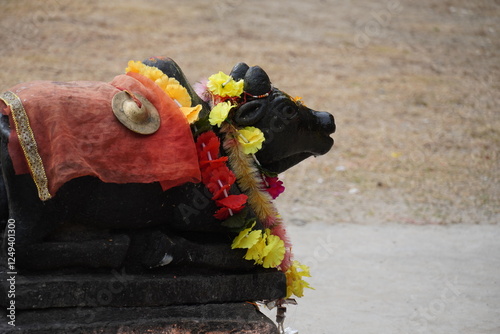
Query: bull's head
(293, 131)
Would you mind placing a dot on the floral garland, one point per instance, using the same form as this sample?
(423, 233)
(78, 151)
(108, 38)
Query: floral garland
(170, 86)
(270, 247)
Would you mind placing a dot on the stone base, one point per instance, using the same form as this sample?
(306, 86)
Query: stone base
(211, 318)
(116, 302)
(118, 289)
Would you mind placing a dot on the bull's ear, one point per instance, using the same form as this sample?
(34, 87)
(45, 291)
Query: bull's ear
(257, 81)
(239, 70)
(250, 112)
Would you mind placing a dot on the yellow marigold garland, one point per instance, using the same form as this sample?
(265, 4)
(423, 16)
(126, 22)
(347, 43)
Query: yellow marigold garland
(170, 86)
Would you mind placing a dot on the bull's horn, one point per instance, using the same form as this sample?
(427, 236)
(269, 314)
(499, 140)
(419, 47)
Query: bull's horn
(239, 70)
(257, 81)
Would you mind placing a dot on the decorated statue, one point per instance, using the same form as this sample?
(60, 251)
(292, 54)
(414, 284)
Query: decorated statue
(146, 171)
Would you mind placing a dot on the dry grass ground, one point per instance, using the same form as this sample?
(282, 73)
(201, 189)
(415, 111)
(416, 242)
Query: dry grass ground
(414, 87)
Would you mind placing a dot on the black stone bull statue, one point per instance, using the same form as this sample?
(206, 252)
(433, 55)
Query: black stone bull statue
(93, 224)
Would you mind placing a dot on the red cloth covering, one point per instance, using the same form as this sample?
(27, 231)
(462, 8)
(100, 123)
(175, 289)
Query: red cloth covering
(77, 134)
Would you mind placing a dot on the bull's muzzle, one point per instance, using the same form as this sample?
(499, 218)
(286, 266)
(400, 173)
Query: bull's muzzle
(324, 122)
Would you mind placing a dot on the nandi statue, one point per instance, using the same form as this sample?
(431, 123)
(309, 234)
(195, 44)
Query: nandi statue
(146, 173)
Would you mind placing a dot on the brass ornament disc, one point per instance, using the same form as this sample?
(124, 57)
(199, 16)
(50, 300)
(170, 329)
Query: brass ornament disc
(144, 119)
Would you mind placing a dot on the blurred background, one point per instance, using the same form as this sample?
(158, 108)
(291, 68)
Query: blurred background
(414, 88)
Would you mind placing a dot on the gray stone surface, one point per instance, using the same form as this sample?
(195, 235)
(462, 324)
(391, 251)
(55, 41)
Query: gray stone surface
(212, 318)
(118, 289)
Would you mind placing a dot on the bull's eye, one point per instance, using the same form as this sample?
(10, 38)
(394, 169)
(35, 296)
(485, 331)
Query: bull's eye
(287, 109)
(290, 111)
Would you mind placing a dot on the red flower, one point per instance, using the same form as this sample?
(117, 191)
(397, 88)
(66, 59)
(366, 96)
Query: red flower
(207, 146)
(274, 186)
(207, 168)
(223, 213)
(220, 179)
(217, 177)
(233, 202)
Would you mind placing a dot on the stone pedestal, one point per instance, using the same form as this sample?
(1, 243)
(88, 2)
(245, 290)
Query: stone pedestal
(116, 302)
(192, 319)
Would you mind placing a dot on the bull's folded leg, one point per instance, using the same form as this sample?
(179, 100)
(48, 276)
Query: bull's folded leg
(154, 249)
(212, 255)
(148, 249)
(102, 253)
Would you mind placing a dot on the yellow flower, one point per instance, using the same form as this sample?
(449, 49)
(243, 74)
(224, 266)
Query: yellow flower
(153, 73)
(170, 86)
(295, 283)
(174, 89)
(251, 139)
(191, 113)
(134, 66)
(247, 238)
(298, 287)
(219, 113)
(274, 252)
(267, 250)
(179, 94)
(256, 251)
(224, 85)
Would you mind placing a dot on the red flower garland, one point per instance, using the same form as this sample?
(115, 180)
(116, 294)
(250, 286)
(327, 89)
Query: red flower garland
(217, 177)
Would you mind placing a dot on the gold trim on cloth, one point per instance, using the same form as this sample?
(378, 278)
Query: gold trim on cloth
(28, 143)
